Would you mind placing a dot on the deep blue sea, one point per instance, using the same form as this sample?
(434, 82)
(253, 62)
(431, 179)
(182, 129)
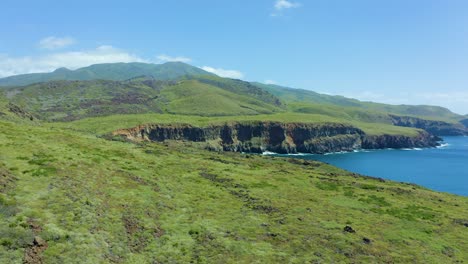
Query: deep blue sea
(442, 169)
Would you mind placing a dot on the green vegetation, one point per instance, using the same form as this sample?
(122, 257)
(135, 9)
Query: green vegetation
(70, 100)
(103, 125)
(68, 194)
(109, 71)
(98, 201)
(309, 101)
(181, 89)
(239, 87)
(195, 97)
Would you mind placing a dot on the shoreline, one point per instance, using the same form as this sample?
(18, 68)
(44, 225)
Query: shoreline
(425, 167)
(277, 137)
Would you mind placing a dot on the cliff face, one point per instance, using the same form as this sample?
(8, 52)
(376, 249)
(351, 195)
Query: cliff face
(438, 128)
(422, 140)
(276, 137)
(465, 122)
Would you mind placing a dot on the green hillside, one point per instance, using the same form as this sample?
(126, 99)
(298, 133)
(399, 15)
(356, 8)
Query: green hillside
(207, 96)
(295, 96)
(239, 87)
(109, 71)
(69, 197)
(14, 113)
(107, 124)
(70, 100)
(211, 96)
(195, 97)
(70, 193)
(298, 100)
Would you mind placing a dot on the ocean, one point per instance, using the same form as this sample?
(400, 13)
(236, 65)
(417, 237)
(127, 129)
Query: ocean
(442, 169)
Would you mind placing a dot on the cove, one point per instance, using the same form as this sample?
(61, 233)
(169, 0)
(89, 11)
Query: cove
(442, 169)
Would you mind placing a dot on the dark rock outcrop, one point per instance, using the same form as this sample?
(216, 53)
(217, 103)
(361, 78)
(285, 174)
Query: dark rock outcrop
(7, 179)
(422, 140)
(20, 112)
(438, 128)
(33, 254)
(464, 122)
(258, 137)
(349, 229)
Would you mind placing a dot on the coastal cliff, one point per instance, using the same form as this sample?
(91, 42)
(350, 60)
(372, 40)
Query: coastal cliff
(438, 128)
(464, 122)
(258, 137)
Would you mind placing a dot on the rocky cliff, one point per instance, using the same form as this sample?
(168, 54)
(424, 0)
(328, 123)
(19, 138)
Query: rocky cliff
(438, 128)
(464, 122)
(422, 140)
(257, 137)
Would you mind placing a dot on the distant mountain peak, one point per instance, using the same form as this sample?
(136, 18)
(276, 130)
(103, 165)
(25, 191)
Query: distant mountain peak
(62, 69)
(109, 71)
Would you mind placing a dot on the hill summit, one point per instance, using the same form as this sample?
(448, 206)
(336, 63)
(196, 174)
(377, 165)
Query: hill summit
(109, 71)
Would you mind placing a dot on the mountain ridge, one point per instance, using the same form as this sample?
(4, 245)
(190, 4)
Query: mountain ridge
(179, 88)
(180, 70)
(60, 100)
(108, 71)
(298, 95)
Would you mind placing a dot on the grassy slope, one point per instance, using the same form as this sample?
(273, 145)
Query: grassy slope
(308, 99)
(108, 124)
(239, 87)
(194, 97)
(69, 100)
(109, 71)
(98, 201)
(3, 104)
(58, 100)
(7, 115)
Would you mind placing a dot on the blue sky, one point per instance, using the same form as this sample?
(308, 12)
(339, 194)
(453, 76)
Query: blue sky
(393, 51)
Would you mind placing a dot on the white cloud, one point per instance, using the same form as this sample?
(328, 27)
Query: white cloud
(284, 4)
(165, 58)
(72, 60)
(270, 82)
(52, 43)
(224, 73)
(281, 5)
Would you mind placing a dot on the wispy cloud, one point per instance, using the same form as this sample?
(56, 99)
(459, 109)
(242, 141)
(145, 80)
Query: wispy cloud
(165, 58)
(52, 43)
(284, 4)
(72, 60)
(281, 5)
(269, 82)
(224, 73)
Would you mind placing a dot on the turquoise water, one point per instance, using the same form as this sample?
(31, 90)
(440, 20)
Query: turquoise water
(443, 169)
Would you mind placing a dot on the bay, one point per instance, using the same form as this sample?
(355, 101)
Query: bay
(442, 169)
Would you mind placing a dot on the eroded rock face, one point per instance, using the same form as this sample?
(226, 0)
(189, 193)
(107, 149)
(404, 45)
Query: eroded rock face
(465, 122)
(33, 254)
(422, 140)
(7, 179)
(257, 137)
(438, 128)
(20, 112)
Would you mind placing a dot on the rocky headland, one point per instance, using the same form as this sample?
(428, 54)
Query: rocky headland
(284, 138)
(438, 128)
